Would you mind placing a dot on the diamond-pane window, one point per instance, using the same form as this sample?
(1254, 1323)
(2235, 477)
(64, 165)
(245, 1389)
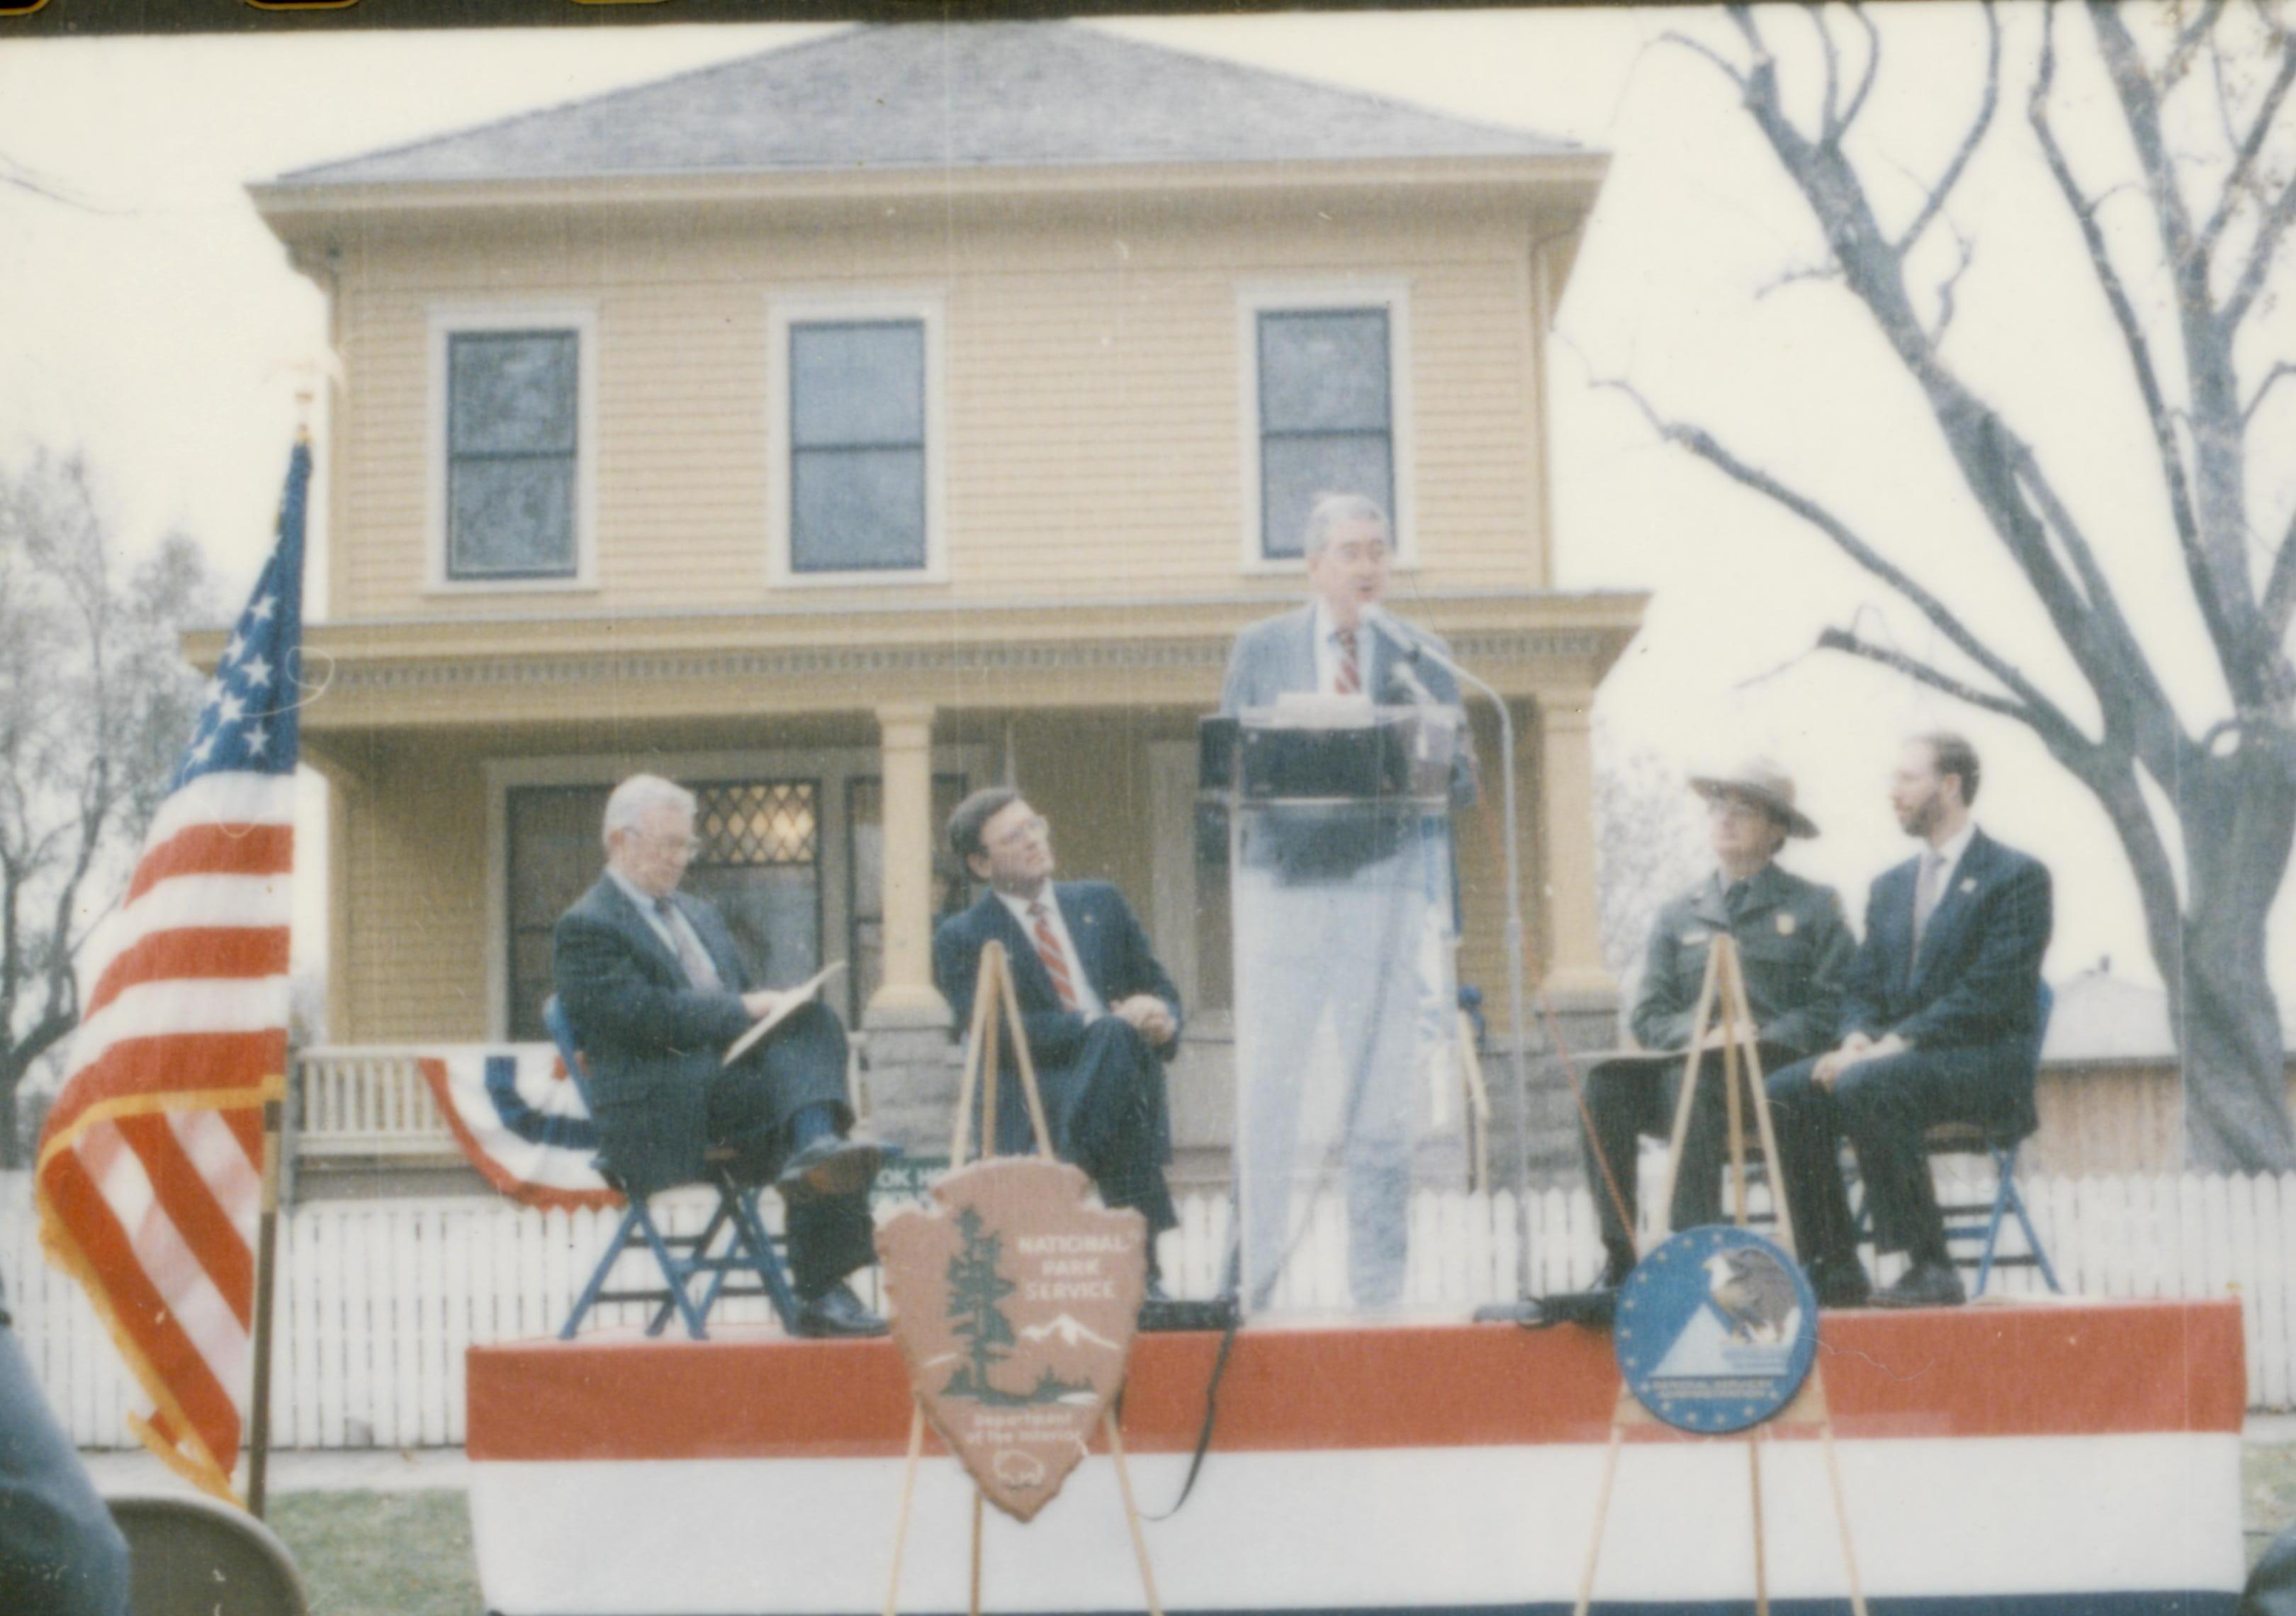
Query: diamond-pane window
(764, 822)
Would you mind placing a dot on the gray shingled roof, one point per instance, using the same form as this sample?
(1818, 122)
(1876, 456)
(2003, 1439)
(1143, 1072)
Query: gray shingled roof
(917, 95)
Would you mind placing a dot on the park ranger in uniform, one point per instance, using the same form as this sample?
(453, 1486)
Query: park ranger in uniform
(1796, 949)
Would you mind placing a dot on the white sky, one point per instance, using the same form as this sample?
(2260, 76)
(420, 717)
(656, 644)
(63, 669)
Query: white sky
(155, 333)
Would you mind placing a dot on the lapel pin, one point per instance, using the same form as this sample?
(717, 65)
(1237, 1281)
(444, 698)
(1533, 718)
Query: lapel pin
(1969, 884)
(1786, 925)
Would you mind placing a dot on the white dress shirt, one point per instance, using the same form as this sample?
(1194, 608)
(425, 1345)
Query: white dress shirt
(1089, 1001)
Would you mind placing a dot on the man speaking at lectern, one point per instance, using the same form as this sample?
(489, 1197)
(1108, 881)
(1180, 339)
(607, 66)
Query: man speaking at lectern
(1324, 944)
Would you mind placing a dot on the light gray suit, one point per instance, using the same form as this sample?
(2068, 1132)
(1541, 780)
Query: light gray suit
(1343, 939)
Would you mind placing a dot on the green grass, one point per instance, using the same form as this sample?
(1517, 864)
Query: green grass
(2268, 1486)
(381, 1553)
(409, 1553)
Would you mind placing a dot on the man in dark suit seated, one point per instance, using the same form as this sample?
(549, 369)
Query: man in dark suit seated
(1940, 1018)
(1794, 949)
(656, 990)
(1101, 1016)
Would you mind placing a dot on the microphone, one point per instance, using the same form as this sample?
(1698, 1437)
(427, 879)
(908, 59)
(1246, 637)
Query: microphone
(1404, 672)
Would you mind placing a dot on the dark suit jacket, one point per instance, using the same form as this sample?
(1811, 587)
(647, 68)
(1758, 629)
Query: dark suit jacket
(1794, 946)
(651, 1041)
(1976, 983)
(1110, 944)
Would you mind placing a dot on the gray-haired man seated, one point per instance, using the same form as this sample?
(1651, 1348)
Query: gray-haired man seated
(656, 991)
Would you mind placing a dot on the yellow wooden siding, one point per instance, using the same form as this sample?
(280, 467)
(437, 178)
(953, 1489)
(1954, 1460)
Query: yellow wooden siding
(1094, 442)
(413, 963)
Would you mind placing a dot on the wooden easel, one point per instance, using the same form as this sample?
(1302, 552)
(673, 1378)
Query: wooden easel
(994, 1002)
(1722, 1006)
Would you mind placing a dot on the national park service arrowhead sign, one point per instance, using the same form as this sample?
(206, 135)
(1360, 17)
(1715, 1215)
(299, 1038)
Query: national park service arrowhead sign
(1014, 1304)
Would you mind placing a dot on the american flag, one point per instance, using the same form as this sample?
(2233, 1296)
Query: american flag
(150, 1171)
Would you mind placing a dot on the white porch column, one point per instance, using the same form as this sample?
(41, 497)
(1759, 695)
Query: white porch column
(1566, 802)
(907, 996)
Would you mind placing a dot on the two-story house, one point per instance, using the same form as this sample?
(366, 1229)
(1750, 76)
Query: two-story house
(852, 425)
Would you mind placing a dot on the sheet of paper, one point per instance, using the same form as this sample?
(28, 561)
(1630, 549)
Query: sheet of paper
(793, 999)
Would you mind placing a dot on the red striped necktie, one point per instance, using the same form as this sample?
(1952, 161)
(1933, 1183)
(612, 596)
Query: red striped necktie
(1349, 681)
(1049, 951)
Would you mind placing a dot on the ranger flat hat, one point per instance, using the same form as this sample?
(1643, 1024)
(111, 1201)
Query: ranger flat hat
(1760, 780)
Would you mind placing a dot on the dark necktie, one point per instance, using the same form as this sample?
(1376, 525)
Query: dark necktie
(1049, 951)
(1349, 679)
(699, 971)
(1734, 900)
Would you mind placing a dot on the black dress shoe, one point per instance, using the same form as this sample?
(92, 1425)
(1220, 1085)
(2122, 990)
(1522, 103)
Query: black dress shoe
(829, 1167)
(1156, 1291)
(837, 1313)
(1840, 1282)
(1932, 1284)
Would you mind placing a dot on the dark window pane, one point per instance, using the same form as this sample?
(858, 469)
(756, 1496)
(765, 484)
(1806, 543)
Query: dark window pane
(854, 385)
(511, 517)
(512, 393)
(554, 857)
(1323, 371)
(774, 912)
(1294, 471)
(851, 509)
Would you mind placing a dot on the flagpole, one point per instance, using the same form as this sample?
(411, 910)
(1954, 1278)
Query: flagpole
(266, 1263)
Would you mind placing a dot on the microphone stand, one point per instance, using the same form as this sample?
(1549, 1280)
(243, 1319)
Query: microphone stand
(1412, 648)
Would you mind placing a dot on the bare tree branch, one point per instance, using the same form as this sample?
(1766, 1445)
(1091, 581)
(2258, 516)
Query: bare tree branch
(1829, 122)
(1828, 271)
(2045, 714)
(2270, 227)
(2174, 474)
(1850, 643)
(1873, 67)
(2202, 28)
(2272, 379)
(2247, 147)
(1722, 64)
(1946, 288)
(1939, 193)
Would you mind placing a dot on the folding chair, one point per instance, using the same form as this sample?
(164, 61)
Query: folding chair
(748, 1252)
(1978, 1222)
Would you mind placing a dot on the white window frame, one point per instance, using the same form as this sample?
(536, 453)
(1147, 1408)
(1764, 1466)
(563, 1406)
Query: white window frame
(783, 310)
(832, 767)
(452, 319)
(1392, 293)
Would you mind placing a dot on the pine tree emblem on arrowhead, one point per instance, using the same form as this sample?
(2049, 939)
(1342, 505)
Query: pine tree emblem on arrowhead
(1014, 1304)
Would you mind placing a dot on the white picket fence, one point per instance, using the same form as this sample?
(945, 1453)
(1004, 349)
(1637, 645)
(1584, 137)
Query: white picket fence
(378, 1300)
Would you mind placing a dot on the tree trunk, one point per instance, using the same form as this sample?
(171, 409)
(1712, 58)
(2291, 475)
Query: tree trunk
(2238, 822)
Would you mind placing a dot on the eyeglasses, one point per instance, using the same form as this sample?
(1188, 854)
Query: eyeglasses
(678, 846)
(1027, 830)
(1735, 810)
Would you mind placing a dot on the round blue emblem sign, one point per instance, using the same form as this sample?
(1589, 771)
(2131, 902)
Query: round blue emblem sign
(1716, 1329)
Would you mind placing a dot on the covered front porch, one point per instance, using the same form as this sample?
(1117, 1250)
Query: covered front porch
(467, 763)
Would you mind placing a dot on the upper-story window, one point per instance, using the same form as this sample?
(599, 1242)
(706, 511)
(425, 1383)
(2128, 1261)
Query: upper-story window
(857, 423)
(1326, 411)
(512, 469)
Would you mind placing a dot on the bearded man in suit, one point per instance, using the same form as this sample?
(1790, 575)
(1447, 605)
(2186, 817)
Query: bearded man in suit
(1942, 1023)
(655, 989)
(1101, 1015)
